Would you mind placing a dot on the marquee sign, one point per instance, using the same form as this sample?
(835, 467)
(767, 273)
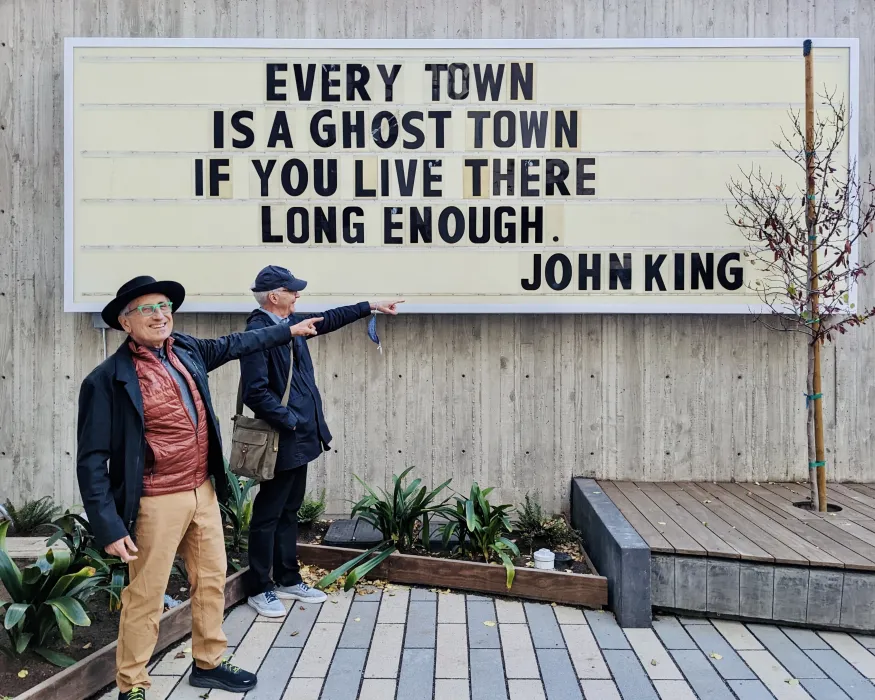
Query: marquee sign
(470, 176)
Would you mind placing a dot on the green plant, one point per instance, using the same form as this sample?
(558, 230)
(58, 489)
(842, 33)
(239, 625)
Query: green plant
(395, 516)
(47, 601)
(31, 515)
(76, 533)
(311, 509)
(534, 525)
(482, 528)
(237, 510)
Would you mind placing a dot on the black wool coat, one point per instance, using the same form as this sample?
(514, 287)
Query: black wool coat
(304, 434)
(111, 432)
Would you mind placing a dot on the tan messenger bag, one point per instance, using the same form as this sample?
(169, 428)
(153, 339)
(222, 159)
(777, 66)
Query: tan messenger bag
(254, 443)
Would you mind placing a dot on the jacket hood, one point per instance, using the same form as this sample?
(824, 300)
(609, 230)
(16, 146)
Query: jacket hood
(258, 316)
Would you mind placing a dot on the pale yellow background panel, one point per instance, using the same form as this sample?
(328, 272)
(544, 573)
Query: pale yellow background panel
(238, 224)
(426, 277)
(643, 176)
(596, 75)
(692, 128)
(668, 128)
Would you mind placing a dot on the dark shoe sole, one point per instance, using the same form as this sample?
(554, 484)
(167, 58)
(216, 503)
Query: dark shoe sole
(219, 685)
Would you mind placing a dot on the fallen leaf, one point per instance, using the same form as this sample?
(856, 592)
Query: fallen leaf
(295, 633)
(391, 595)
(792, 681)
(489, 623)
(302, 608)
(716, 656)
(22, 673)
(660, 523)
(183, 590)
(552, 605)
(333, 602)
(358, 619)
(568, 571)
(87, 646)
(706, 501)
(705, 523)
(653, 662)
(757, 483)
(179, 655)
(187, 650)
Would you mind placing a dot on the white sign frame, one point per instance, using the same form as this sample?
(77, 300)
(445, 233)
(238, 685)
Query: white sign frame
(589, 305)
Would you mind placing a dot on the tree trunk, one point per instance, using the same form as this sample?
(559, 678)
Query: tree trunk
(809, 405)
(816, 397)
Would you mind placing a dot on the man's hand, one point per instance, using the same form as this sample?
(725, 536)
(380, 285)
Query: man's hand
(123, 549)
(387, 307)
(305, 327)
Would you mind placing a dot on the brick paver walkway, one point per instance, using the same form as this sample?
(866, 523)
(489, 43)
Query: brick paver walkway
(417, 644)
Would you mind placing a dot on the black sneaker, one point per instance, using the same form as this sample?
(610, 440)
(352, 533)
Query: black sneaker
(225, 676)
(133, 694)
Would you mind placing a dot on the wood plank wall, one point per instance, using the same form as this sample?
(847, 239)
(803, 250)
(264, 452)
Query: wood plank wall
(521, 403)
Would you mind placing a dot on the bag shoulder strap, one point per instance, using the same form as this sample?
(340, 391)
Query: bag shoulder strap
(288, 381)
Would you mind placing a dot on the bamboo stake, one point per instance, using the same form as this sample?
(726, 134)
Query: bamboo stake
(819, 457)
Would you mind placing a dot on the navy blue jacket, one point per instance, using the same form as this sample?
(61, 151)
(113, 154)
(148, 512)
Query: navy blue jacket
(304, 433)
(111, 431)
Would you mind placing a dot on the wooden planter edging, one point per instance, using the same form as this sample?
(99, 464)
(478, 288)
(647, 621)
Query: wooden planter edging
(552, 586)
(93, 673)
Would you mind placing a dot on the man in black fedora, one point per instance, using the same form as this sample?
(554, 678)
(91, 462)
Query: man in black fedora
(148, 447)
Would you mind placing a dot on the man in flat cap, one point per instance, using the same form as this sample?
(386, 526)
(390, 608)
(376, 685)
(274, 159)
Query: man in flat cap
(273, 531)
(148, 445)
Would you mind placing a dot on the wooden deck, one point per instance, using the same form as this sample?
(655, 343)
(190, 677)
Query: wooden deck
(752, 522)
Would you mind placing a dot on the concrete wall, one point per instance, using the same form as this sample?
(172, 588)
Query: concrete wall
(521, 403)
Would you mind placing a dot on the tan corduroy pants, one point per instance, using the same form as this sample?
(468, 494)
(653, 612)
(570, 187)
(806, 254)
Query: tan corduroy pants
(190, 522)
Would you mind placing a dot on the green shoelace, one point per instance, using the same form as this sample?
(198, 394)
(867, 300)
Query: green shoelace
(137, 694)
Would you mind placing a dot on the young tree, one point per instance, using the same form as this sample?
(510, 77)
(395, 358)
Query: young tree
(804, 245)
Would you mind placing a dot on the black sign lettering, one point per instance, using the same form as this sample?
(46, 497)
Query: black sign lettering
(353, 127)
(559, 260)
(389, 225)
(357, 77)
(534, 283)
(274, 82)
(478, 116)
(304, 84)
(328, 136)
(243, 129)
(263, 172)
(652, 273)
(586, 273)
(488, 81)
(293, 233)
(301, 177)
(522, 80)
(557, 174)
(329, 82)
(420, 225)
(735, 277)
(389, 79)
(280, 131)
(266, 235)
(476, 165)
(430, 177)
(325, 176)
(353, 231)
(325, 224)
(413, 130)
(435, 70)
(457, 81)
(620, 271)
(217, 175)
(702, 271)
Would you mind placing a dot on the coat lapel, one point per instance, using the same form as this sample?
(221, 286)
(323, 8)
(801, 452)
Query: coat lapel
(127, 375)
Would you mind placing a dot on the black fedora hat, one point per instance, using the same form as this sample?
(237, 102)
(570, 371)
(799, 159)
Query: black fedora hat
(137, 287)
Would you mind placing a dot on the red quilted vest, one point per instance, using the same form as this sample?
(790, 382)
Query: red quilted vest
(176, 452)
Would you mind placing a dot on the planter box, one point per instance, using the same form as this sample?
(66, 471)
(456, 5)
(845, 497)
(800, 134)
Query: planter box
(93, 673)
(553, 586)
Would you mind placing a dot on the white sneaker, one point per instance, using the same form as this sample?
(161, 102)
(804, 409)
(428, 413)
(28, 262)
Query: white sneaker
(267, 604)
(301, 592)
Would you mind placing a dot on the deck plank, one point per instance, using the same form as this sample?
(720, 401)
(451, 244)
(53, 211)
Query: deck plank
(714, 545)
(849, 534)
(746, 548)
(781, 553)
(863, 499)
(682, 542)
(815, 556)
(648, 532)
(851, 510)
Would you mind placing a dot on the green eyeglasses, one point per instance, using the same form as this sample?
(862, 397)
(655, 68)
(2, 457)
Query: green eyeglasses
(165, 307)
